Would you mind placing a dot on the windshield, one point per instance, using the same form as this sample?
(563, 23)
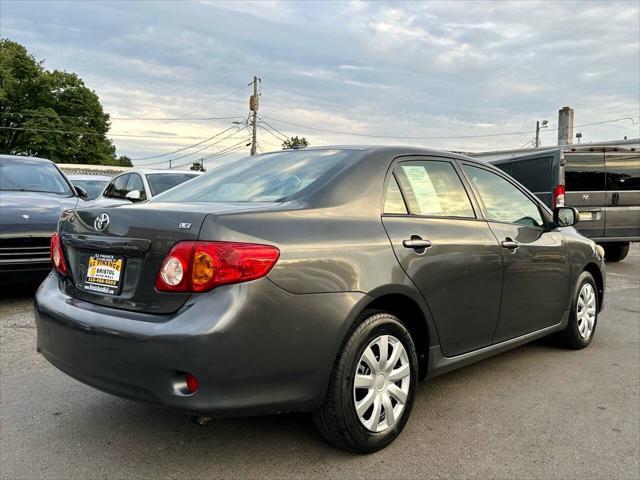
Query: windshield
(25, 175)
(161, 182)
(264, 178)
(93, 187)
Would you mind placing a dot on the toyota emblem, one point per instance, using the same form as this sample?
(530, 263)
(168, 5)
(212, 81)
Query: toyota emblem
(101, 222)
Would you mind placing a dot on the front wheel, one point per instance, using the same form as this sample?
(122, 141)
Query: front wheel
(583, 317)
(372, 387)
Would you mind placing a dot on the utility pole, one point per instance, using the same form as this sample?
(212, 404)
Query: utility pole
(253, 108)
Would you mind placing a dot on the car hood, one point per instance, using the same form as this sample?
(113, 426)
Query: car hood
(31, 213)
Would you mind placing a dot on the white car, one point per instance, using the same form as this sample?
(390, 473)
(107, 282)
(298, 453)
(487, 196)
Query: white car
(140, 184)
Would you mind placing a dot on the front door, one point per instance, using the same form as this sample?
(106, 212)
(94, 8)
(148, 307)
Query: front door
(449, 253)
(536, 277)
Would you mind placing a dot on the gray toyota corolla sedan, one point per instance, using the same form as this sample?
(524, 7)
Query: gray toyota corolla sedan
(329, 280)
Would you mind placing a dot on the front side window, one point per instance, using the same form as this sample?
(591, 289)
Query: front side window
(135, 183)
(502, 200)
(270, 177)
(433, 188)
(117, 188)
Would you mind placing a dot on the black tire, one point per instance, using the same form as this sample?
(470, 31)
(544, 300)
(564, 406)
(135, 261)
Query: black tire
(615, 251)
(570, 337)
(337, 420)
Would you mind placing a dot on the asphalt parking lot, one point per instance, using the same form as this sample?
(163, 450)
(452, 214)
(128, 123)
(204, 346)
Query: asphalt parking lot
(534, 412)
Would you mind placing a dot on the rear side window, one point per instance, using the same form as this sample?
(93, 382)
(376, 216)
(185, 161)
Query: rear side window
(535, 174)
(161, 182)
(584, 172)
(393, 201)
(502, 200)
(623, 171)
(433, 188)
(118, 187)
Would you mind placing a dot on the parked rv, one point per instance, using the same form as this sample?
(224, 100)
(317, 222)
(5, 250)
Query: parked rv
(601, 180)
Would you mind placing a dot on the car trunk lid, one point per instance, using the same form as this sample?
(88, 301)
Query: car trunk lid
(114, 254)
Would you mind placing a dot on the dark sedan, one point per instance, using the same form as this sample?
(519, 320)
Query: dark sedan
(329, 280)
(33, 194)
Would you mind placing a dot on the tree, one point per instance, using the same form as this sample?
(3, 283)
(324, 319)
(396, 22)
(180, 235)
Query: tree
(124, 161)
(198, 167)
(295, 142)
(50, 114)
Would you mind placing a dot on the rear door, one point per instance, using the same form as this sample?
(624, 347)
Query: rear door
(535, 261)
(446, 249)
(623, 195)
(586, 190)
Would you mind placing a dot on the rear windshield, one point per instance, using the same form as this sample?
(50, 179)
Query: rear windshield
(161, 182)
(264, 178)
(32, 176)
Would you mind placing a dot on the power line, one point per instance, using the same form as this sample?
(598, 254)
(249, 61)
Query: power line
(183, 148)
(36, 114)
(72, 132)
(221, 98)
(192, 153)
(448, 137)
(274, 128)
(218, 154)
(271, 133)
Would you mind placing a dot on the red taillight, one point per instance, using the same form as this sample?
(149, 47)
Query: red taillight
(192, 383)
(558, 196)
(57, 257)
(202, 266)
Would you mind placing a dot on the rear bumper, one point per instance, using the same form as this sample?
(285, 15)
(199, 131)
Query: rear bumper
(253, 347)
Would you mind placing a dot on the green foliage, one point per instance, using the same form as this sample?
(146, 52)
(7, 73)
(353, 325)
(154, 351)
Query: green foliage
(50, 114)
(124, 161)
(295, 142)
(198, 167)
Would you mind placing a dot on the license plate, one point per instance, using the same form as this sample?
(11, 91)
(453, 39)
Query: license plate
(104, 273)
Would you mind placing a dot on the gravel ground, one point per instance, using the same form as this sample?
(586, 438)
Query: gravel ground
(534, 412)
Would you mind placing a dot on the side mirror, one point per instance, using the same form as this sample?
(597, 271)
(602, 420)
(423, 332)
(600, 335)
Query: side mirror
(565, 216)
(82, 193)
(133, 195)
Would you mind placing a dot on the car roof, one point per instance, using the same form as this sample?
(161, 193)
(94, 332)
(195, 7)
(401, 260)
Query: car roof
(158, 170)
(396, 150)
(102, 178)
(26, 158)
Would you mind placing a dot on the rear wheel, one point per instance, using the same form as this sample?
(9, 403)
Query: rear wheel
(615, 251)
(583, 317)
(372, 387)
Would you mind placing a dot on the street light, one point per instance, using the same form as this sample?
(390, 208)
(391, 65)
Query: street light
(540, 125)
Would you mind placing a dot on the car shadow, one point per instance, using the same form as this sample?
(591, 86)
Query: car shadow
(112, 426)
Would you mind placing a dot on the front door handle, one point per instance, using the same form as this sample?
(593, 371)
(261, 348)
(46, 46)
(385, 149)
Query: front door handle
(510, 244)
(416, 243)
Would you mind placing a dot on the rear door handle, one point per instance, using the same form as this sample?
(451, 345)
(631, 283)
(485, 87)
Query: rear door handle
(510, 244)
(416, 243)
(615, 198)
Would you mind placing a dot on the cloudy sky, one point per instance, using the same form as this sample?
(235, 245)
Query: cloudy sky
(453, 73)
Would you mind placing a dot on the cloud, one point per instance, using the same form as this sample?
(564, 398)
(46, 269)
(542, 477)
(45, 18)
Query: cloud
(425, 69)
